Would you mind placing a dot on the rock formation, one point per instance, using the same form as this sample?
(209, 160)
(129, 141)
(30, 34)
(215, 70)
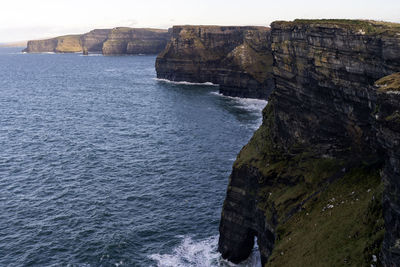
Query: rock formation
(92, 42)
(309, 185)
(117, 41)
(237, 58)
(62, 44)
(135, 41)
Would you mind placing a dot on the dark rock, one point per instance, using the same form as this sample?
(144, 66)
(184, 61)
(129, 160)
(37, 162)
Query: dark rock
(325, 116)
(236, 58)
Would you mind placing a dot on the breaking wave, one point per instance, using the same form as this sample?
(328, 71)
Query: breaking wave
(185, 83)
(194, 253)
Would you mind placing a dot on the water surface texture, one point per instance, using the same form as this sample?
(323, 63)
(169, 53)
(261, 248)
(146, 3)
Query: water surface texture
(103, 165)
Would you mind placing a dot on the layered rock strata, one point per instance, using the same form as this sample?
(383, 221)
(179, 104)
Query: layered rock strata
(62, 44)
(92, 42)
(135, 41)
(308, 184)
(239, 59)
(117, 41)
(387, 126)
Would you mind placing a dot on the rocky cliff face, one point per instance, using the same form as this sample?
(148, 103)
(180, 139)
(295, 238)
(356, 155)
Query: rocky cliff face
(135, 41)
(118, 41)
(387, 126)
(93, 40)
(237, 58)
(62, 44)
(308, 184)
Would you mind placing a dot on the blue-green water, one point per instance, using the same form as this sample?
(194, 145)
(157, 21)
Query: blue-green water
(103, 165)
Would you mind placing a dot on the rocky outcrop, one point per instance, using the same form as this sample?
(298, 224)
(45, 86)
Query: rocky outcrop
(62, 44)
(237, 58)
(135, 41)
(93, 40)
(308, 184)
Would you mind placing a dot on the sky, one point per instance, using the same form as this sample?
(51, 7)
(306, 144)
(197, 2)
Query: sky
(27, 19)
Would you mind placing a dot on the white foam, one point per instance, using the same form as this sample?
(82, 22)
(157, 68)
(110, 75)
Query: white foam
(185, 83)
(250, 104)
(91, 55)
(199, 253)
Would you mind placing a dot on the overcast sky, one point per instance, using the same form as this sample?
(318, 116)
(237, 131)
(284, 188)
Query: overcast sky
(28, 19)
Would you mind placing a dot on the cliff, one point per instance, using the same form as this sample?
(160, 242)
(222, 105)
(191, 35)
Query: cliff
(62, 44)
(93, 40)
(237, 58)
(309, 184)
(135, 41)
(117, 41)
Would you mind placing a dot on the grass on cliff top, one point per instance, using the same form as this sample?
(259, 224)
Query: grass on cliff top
(368, 26)
(69, 44)
(342, 226)
(128, 29)
(389, 83)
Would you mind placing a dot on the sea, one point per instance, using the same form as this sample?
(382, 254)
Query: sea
(101, 164)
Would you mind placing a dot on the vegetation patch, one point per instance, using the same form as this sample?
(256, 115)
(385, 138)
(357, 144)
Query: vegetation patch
(327, 211)
(389, 83)
(342, 226)
(366, 26)
(69, 44)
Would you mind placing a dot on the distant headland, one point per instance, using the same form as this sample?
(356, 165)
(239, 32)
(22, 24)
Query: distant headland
(117, 41)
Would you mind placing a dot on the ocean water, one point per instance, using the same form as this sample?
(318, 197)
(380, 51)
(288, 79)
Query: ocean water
(101, 164)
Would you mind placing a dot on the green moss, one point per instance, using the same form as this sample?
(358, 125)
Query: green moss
(262, 150)
(389, 83)
(340, 226)
(393, 118)
(326, 213)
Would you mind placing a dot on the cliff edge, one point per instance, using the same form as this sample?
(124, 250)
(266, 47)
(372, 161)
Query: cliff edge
(117, 41)
(239, 59)
(309, 184)
(62, 44)
(135, 41)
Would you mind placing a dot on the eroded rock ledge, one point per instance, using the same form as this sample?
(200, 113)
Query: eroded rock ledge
(239, 59)
(309, 182)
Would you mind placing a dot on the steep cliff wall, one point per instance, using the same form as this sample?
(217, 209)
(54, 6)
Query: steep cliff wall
(308, 183)
(237, 58)
(62, 44)
(93, 40)
(135, 41)
(117, 41)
